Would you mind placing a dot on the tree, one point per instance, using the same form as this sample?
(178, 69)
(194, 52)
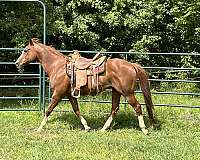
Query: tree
(114, 25)
(19, 21)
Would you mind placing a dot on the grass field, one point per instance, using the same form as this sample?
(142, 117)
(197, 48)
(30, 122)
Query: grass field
(63, 137)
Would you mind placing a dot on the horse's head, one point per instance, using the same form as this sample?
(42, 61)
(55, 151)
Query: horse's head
(28, 55)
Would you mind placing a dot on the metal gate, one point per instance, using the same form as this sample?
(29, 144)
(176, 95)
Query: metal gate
(40, 97)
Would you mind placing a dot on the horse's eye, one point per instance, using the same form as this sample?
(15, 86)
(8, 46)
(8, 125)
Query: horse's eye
(26, 49)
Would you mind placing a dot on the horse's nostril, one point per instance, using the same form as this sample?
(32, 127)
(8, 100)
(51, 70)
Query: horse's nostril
(17, 64)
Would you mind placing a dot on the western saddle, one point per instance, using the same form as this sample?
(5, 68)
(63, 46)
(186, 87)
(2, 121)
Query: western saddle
(84, 72)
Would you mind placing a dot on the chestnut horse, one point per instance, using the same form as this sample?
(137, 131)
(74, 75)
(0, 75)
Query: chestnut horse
(120, 75)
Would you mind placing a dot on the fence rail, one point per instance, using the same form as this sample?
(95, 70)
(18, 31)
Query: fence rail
(40, 86)
(5, 77)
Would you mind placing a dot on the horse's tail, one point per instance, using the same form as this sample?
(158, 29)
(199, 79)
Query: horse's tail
(144, 83)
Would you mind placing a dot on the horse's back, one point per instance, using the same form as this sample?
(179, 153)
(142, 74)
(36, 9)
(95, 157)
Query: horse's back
(120, 65)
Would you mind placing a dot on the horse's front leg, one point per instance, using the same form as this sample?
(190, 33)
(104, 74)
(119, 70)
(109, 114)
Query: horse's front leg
(75, 107)
(51, 106)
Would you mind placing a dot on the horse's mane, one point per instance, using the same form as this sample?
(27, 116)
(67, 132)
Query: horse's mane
(35, 40)
(53, 50)
(49, 48)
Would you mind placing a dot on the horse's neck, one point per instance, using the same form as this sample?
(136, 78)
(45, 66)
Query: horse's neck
(50, 61)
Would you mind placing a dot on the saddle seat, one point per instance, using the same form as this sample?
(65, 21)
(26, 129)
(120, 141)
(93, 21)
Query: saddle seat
(84, 63)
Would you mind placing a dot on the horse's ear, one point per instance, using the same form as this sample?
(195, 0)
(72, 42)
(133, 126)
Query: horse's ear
(31, 42)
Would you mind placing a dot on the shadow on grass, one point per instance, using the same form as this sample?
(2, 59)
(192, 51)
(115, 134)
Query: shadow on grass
(123, 120)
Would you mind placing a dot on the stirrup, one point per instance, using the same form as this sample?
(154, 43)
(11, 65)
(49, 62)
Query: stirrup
(79, 93)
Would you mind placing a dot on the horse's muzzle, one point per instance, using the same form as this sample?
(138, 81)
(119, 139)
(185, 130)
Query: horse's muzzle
(18, 65)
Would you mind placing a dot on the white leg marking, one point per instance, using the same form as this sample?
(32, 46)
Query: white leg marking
(107, 124)
(44, 121)
(142, 125)
(84, 123)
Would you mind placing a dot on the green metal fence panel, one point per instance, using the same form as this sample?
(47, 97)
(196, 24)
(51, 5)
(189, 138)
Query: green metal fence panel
(173, 104)
(41, 75)
(11, 90)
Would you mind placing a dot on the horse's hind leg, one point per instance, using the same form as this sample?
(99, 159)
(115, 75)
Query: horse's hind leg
(135, 104)
(115, 107)
(51, 106)
(75, 107)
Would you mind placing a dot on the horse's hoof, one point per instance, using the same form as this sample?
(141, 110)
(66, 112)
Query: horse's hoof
(145, 131)
(155, 126)
(102, 130)
(39, 130)
(87, 129)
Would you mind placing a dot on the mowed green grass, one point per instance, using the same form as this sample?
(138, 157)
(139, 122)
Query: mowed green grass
(63, 137)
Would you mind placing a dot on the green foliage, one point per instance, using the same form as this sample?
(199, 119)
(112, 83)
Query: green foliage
(19, 21)
(117, 25)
